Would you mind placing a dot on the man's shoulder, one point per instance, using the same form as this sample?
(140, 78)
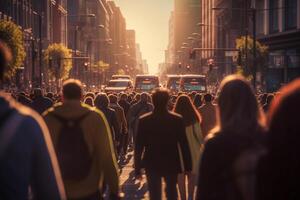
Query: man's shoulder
(175, 116)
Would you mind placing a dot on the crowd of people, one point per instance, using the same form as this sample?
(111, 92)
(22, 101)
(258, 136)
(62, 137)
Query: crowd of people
(236, 145)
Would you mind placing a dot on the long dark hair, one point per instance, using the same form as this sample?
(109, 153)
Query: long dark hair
(187, 110)
(238, 111)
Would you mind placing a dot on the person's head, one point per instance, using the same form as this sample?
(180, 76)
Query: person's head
(89, 101)
(284, 122)
(137, 97)
(113, 98)
(50, 95)
(198, 100)
(101, 101)
(5, 58)
(187, 110)
(208, 98)
(144, 97)
(238, 110)
(270, 98)
(123, 97)
(160, 99)
(72, 90)
(90, 94)
(37, 92)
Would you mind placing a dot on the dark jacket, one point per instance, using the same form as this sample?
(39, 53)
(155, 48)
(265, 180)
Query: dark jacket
(125, 105)
(26, 160)
(111, 118)
(160, 139)
(41, 104)
(217, 174)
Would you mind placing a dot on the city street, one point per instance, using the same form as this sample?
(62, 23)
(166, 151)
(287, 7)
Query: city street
(131, 188)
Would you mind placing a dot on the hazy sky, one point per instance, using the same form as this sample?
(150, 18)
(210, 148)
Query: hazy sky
(150, 19)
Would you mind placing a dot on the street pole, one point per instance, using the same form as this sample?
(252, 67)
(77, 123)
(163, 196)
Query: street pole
(246, 35)
(254, 47)
(75, 52)
(40, 51)
(33, 56)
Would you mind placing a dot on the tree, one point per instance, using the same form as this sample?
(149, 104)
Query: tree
(121, 72)
(12, 35)
(261, 57)
(58, 58)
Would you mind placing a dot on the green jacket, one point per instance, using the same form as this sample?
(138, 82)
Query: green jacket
(98, 137)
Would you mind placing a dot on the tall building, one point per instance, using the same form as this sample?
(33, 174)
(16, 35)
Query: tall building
(278, 27)
(131, 50)
(43, 22)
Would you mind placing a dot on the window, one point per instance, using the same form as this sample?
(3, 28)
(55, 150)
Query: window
(274, 16)
(260, 18)
(290, 14)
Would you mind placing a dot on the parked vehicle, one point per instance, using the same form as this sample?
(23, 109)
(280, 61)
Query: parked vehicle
(146, 83)
(119, 85)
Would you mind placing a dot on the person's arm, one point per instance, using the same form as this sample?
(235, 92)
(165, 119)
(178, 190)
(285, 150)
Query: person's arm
(46, 178)
(105, 150)
(184, 146)
(124, 122)
(139, 147)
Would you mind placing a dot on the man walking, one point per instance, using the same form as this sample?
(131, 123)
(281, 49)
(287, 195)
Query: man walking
(161, 147)
(83, 144)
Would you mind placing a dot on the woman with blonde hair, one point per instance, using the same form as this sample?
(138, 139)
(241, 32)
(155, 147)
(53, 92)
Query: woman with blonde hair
(185, 107)
(226, 172)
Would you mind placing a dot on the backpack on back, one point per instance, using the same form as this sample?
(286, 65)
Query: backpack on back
(72, 150)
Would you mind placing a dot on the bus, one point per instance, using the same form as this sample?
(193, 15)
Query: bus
(193, 83)
(173, 83)
(119, 85)
(146, 83)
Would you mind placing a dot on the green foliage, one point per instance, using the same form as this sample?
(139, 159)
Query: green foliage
(121, 72)
(102, 65)
(261, 56)
(58, 58)
(12, 35)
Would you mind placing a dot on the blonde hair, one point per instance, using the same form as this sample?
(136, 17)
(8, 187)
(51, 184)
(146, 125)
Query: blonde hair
(238, 109)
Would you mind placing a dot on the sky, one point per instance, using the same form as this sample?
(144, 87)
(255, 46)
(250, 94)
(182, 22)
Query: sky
(150, 20)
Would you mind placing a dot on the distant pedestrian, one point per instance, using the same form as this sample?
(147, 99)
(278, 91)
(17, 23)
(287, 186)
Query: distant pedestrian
(89, 101)
(198, 101)
(113, 103)
(83, 144)
(279, 170)
(269, 100)
(192, 119)
(40, 103)
(27, 158)
(229, 160)
(161, 143)
(208, 114)
(102, 103)
(124, 103)
(136, 111)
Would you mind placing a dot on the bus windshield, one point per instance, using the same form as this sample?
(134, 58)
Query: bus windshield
(173, 83)
(146, 83)
(118, 84)
(194, 84)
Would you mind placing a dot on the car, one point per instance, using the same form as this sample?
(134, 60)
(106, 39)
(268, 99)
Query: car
(146, 83)
(115, 77)
(118, 86)
(193, 83)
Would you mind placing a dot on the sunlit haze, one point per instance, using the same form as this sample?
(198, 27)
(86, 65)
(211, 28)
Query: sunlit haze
(149, 18)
